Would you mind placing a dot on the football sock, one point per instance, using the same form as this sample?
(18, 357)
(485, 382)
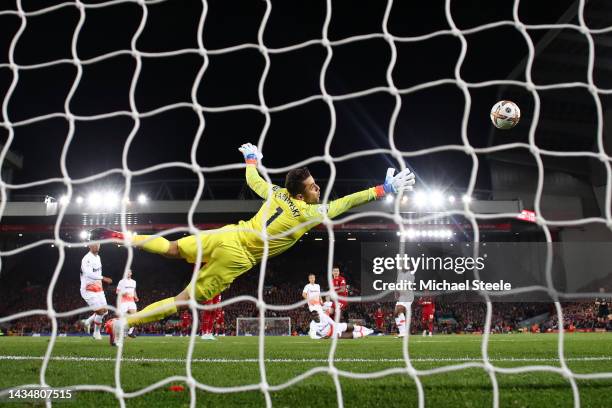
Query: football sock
(91, 318)
(400, 321)
(152, 313)
(158, 245)
(97, 323)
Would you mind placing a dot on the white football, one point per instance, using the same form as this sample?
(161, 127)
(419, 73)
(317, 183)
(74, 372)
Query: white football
(505, 115)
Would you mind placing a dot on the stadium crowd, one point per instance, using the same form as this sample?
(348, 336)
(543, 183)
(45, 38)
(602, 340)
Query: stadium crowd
(450, 317)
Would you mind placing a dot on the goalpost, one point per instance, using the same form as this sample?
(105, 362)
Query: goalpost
(273, 326)
(262, 325)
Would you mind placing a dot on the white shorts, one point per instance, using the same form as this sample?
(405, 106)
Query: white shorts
(314, 306)
(340, 328)
(407, 305)
(125, 306)
(95, 300)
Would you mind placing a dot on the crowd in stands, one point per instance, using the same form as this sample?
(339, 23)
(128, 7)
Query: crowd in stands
(24, 285)
(451, 317)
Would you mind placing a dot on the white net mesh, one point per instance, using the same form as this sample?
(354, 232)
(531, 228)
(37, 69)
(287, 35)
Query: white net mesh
(262, 107)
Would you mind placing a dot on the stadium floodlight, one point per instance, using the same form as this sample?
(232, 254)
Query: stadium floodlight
(79, 200)
(389, 199)
(411, 233)
(83, 235)
(64, 200)
(420, 199)
(404, 199)
(436, 199)
(110, 199)
(466, 198)
(451, 199)
(142, 199)
(94, 199)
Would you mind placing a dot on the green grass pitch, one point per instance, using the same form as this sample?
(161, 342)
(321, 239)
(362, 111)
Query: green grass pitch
(232, 361)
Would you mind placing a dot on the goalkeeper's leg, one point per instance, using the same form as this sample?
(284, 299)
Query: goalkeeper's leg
(150, 243)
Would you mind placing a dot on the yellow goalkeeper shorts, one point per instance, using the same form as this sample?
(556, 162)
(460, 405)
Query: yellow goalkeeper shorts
(225, 260)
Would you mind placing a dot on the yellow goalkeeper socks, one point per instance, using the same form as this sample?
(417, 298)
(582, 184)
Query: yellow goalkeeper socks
(159, 245)
(152, 313)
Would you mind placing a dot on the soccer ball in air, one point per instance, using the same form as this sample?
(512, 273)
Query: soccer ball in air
(505, 115)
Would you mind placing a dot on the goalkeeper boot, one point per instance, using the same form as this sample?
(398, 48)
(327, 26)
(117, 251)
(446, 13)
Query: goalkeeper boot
(97, 234)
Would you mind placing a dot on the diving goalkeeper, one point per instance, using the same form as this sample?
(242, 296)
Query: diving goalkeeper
(234, 249)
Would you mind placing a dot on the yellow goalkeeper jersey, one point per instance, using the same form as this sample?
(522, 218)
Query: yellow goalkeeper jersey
(284, 214)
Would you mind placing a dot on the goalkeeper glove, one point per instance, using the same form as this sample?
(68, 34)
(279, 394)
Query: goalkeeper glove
(251, 153)
(404, 180)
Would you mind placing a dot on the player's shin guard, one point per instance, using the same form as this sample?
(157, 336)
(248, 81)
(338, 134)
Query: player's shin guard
(153, 313)
(158, 245)
(400, 322)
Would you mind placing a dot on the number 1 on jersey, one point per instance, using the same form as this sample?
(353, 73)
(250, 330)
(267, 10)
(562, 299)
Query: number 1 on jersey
(274, 216)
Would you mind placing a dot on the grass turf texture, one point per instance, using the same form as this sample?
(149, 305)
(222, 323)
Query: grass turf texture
(292, 356)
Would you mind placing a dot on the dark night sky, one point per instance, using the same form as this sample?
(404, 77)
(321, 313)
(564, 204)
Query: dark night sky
(428, 118)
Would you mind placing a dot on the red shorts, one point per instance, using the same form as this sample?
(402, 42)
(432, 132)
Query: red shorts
(380, 323)
(427, 317)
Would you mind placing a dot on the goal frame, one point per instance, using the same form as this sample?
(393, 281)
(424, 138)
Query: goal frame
(266, 319)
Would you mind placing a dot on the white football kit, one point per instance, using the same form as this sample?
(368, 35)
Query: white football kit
(91, 281)
(326, 327)
(404, 297)
(126, 292)
(313, 295)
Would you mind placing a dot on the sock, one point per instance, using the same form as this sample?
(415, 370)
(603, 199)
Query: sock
(153, 313)
(91, 318)
(358, 331)
(400, 321)
(159, 245)
(431, 327)
(97, 323)
(209, 321)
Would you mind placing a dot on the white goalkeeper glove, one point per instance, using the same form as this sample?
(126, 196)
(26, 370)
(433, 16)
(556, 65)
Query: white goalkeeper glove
(251, 153)
(404, 180)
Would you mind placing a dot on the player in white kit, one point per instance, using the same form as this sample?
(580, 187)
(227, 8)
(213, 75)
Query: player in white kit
(127, 297)
(92, 291)
(312, 293)
(404, 302)
(324, 327)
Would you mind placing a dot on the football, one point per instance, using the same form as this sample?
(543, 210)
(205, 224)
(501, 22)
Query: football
(505, 115)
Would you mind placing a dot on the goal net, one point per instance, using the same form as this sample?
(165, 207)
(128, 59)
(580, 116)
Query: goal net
(273, 326)
(386, 51)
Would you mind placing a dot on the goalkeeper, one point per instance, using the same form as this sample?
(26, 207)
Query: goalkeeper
(234, 249)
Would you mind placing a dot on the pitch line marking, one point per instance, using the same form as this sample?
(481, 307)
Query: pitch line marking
(298, 360)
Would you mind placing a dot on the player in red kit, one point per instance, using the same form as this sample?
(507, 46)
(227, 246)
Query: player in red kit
(186, 323)
(428, 309)
(339, 283)
(379, 318)
(208, 318)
